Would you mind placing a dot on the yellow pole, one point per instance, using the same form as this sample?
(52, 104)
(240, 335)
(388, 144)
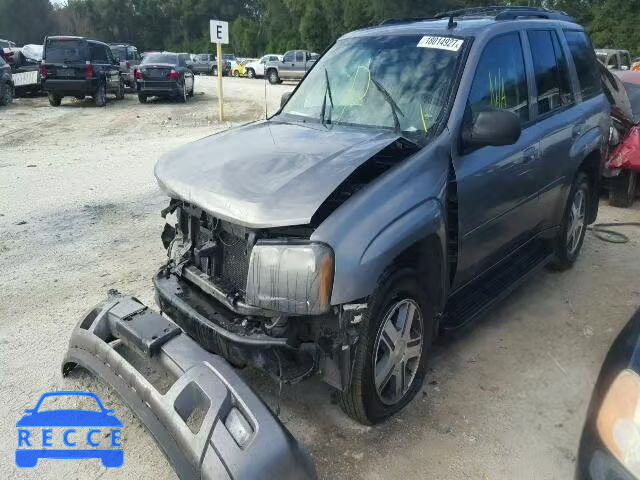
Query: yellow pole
(220, 104)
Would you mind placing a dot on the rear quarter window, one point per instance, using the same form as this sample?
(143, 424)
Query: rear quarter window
(62, 50)
(584, 59)
(98, 52)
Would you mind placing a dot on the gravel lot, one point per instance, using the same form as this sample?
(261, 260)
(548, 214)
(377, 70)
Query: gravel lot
(79, 214)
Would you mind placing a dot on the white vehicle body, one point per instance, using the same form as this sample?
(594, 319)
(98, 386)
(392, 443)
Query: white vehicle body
(258, 66)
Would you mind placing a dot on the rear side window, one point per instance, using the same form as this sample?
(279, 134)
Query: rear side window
(98, 53)
(500, 81)
(550, 66)
(119, 52)
(132, 53)
(585, 62)
(65, 50)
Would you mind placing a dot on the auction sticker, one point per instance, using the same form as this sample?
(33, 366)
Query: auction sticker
(441, 43)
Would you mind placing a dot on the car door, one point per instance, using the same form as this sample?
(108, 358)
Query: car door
(300, 65)
(112, 69)
(186, 73)
(100, 62)
(287, 65)
(496, 191)
(556, 119)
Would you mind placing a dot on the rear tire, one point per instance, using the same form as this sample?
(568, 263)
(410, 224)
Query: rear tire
(142, 98)
(214, 71)
(54, 100)
(385, 350)
(251, 73)
(622, 189)
(7, 96)
(183, 95)
(574, 224)
(120, 91)
(274, 78)
(100, 97)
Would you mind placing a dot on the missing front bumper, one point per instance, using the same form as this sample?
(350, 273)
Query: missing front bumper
(238, 436)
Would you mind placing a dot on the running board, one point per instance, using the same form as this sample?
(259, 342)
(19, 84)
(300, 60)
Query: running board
(471, 302)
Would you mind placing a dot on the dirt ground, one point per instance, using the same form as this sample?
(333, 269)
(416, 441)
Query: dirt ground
(79, 214)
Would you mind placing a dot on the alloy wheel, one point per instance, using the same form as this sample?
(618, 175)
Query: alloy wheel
(577, 221)
(398, 349)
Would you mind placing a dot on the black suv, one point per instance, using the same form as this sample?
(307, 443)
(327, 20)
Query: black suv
(79, 67)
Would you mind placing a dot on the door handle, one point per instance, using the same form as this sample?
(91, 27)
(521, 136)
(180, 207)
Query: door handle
(577, 131)
(530, 154)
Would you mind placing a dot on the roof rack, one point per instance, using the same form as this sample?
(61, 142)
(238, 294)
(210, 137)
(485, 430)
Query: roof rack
(397, 21)
(502, 12)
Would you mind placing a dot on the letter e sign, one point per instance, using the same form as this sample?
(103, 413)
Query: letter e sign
(219, 31)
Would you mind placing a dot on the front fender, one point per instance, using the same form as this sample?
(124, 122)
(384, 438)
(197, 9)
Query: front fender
(398, 211)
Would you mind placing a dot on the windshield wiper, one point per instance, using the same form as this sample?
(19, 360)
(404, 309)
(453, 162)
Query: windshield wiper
(327, 91)
(395, 109)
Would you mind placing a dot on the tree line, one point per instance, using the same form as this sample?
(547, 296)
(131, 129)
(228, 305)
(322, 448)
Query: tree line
(259, 26)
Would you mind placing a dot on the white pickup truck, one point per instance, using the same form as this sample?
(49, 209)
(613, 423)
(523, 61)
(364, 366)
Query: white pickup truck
(256, 69)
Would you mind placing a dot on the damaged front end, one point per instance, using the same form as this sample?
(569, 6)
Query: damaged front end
(205, 418)
(259, 297)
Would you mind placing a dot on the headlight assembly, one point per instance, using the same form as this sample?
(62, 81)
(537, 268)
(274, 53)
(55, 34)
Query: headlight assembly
(293, 278)
(618, 420)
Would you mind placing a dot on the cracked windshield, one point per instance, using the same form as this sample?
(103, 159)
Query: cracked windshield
(397, 82)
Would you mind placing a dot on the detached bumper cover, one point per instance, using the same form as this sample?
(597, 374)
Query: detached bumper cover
(238, 437)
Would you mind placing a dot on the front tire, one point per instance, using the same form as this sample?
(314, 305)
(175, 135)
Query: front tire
(622, 189)
(574, 224)
(251, 73)
(142, 98)
(54, 100)
(120, 91)
(7, 96)
(183, 95)
(391, 354)
(214, 71)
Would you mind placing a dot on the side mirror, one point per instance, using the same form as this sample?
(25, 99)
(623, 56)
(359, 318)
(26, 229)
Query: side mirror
(285, 98)
(624, 67)
(492, 127)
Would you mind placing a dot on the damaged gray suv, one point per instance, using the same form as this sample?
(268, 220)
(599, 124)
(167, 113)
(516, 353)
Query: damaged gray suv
(421, 170)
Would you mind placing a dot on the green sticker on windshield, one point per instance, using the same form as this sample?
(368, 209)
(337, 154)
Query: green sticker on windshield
(440, 43)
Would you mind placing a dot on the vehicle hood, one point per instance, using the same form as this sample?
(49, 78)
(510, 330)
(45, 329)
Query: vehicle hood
(69, 418)
(269, 173)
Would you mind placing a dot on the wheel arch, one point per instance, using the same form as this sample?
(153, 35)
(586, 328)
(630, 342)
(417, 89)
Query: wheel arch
(592, 166)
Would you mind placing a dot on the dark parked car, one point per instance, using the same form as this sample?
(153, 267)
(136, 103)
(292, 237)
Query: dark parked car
(6, 83)
(610, 443)
(129, 59)
(293, 66)
(79, 67)
(419, 173)
(164, 75)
